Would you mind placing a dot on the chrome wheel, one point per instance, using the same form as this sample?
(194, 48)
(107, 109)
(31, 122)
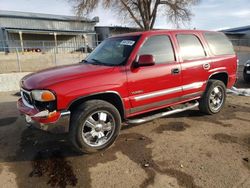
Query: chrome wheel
(98, 128)
(216, 98)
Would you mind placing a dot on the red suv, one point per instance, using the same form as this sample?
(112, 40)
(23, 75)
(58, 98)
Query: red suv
(126, 76)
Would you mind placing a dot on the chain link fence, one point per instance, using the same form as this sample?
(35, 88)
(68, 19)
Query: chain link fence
(36, 55)
(241, 42)
(242, 49)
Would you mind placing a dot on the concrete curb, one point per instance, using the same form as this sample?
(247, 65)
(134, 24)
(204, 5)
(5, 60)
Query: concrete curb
(10, 81)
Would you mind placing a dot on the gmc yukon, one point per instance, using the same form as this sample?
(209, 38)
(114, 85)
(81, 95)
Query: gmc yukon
(127, 76)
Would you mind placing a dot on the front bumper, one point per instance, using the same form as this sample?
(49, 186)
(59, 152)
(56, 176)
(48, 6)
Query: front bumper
(55, 122)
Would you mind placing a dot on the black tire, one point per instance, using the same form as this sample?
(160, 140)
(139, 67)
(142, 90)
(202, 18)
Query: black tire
(205, 105)
(79, 119)
(246, 76)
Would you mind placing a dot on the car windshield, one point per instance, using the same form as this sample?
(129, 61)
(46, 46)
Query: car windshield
(112, 51)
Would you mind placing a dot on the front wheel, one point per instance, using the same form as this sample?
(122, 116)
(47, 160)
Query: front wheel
(214, 97)
(94, 126)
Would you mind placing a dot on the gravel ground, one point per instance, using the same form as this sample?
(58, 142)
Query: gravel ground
(183, 150)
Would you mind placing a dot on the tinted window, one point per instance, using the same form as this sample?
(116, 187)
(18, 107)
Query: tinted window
(190, 47)
(160, 47)
(219, 44)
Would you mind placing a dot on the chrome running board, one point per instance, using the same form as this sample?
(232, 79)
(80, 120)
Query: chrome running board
(163, 114)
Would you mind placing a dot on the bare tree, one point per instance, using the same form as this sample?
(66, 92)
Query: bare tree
(142, 12)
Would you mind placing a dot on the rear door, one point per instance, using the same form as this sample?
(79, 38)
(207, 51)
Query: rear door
(195, 64)
(223, 57)
(155, 86)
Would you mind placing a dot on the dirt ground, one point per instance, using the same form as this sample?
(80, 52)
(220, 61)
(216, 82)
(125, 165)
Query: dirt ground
(183, 150)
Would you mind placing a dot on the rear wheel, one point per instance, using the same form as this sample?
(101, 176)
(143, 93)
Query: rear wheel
(94, 126)
(214, 97)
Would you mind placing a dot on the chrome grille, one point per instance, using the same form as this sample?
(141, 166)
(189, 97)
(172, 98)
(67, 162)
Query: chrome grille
(27, 99)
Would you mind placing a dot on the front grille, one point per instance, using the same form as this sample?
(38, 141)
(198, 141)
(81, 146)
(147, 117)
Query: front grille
(28, 101)
(26, 97)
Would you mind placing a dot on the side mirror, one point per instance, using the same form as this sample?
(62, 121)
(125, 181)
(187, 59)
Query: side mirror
(145, 60)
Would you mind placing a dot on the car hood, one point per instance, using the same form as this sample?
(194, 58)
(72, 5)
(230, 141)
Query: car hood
(45, 78)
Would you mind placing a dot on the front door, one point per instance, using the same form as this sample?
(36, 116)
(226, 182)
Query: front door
(152, 87)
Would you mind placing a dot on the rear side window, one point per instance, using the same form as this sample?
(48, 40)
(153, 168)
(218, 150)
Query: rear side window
(190, 47)
(160, 47)
(219, 43)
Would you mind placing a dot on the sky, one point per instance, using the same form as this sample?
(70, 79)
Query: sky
(209, 14)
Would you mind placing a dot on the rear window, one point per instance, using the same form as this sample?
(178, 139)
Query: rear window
(219, 44)
(190, 47)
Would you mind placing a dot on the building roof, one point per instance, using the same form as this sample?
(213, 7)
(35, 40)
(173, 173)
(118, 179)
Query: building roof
(120, 28)
(40, 16)
(50, 32)
(237, 30)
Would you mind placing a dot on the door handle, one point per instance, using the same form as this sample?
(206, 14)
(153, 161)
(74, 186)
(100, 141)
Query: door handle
(175, 71)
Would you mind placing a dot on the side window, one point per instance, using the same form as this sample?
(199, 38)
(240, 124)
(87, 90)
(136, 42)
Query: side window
(190, 47)
(218, 43)
(160, 47)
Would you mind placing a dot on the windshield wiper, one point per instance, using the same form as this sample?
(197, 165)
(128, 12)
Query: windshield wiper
(98, 62)
(84, 61)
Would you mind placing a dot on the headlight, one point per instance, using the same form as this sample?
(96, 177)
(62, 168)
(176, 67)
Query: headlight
(43, 95)
(247, 64)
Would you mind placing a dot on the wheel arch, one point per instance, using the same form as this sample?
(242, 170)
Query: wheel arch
(112, 97)
(222, 76)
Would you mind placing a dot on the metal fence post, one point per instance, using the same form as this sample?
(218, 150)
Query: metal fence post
(55, 61)
(18, 61)
(43, 47)
(83, 53)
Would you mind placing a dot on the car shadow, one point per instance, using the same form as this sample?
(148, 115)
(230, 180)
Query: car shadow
(52, 160)
(34, 141)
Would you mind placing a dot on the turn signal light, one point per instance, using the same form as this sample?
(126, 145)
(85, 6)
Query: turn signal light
(43, 95)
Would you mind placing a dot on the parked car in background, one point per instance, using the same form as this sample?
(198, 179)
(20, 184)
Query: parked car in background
(126, 77)
(246, 71)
